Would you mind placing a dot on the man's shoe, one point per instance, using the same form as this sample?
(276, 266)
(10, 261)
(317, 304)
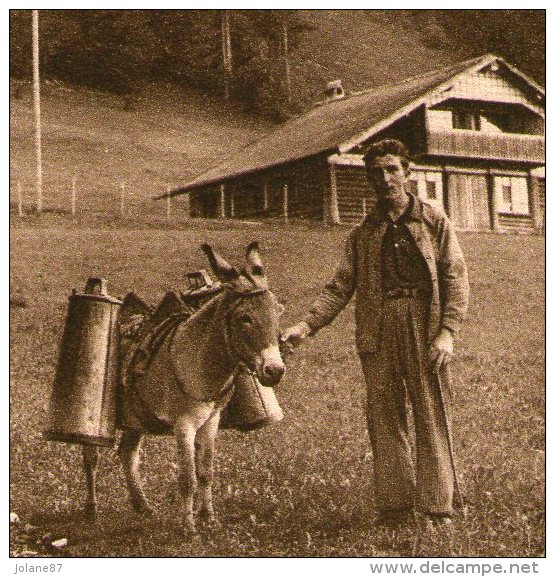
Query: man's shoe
(431, 522)
(395, 518)
(434, 537)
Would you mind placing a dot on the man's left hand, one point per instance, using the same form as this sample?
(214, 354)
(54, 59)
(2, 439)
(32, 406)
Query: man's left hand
(441, 350)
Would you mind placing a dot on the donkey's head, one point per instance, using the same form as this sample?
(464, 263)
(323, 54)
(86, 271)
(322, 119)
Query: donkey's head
(252, 317)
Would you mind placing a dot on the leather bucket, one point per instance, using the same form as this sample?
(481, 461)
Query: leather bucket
(251, 405)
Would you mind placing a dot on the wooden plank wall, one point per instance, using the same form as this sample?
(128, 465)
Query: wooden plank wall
(306, 191)
(540, 183)
(306, 183)
(204, 203)
(492, 86)
(512, 222)
(352, 188)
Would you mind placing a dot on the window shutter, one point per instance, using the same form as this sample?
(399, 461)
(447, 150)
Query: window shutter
(519, 186)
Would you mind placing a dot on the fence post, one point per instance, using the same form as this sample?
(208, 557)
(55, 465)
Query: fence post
(363, 206)
(122, 201)
(232, 204)
(73, 195)
(266, 203)
(19, 199)
(168, 204)
(285, 203)
(222, 201)
(334, 216)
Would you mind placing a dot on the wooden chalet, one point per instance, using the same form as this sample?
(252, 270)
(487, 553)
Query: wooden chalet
(476, 130)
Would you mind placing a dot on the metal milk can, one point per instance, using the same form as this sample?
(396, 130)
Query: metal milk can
(83, 401)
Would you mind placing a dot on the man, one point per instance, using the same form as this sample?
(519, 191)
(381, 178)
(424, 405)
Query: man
(406, 267)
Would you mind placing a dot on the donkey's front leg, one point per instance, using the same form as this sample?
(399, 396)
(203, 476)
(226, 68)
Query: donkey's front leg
(185, 431)
(90, 463)
(205, 441)
(129, 453)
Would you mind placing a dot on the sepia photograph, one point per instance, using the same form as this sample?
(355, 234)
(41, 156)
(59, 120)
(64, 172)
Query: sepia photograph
(277, 287)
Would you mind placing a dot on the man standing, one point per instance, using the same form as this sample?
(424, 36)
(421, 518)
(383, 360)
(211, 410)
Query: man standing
(406, 267)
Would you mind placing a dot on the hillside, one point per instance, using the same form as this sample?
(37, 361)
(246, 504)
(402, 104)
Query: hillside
(171, 134)
(363, 48)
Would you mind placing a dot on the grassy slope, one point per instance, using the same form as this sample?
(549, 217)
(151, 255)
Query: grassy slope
(172, 134)
(168, 136)
(363, 48)
(303, 487)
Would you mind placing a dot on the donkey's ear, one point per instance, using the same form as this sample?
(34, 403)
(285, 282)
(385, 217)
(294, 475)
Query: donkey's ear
(254, 259)
(221, 268)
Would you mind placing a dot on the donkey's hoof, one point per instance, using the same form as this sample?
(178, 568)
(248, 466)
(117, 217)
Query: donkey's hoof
(213, 522)
(142, 507)
(188, 530)
(90, 511)
(209, 519)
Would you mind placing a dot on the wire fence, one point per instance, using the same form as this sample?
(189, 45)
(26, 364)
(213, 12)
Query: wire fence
(80, 197)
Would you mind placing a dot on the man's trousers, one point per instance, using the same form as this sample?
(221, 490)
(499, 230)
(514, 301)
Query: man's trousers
(397, 372)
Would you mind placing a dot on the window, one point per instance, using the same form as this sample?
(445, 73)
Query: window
(512, 194)
(465, 120)
(428, 185)
(506, 194)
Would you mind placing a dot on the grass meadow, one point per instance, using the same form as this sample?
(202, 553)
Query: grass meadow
(302, 487)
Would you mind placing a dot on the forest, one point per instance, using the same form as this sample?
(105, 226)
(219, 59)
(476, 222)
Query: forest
(242, 55)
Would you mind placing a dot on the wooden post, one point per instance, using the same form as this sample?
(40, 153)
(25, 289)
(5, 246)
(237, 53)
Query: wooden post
(168, 203)
(287, 71)
(36, 101)
(334, 206)
(222, 200)
(285, 203)
(73, 195)
(122, 199)
(446, 191)
(265, 191)
(533, 201)
(19, 199)
(232, 204)
(226, 51)
(493, 203)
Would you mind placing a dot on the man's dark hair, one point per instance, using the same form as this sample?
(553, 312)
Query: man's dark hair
(388, 146)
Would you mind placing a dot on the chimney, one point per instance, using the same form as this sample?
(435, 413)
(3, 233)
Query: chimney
(334, 91)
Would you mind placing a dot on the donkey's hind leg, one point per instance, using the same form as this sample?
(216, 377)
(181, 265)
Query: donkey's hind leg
(90, 463)
(204, 445)
(129, 453)
(185, 431)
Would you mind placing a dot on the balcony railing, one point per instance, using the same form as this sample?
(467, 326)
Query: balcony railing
(472, 144)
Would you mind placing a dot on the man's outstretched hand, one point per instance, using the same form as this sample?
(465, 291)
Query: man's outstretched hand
(441, 350)
(296, 334)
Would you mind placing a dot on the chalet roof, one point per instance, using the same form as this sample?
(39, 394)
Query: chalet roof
(339, 125)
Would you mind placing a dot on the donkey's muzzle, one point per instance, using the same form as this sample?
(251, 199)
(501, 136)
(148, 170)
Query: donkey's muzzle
(271, 367)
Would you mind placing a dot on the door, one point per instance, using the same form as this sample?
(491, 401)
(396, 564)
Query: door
(468, 201)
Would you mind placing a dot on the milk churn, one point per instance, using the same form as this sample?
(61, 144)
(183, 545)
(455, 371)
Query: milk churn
(83, 402)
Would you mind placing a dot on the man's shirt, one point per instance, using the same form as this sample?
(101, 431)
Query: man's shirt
(403, 265)
(360, 270)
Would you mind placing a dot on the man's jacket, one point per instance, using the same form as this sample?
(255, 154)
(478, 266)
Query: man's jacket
(359, 271)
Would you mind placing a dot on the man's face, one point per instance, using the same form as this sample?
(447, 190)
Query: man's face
(388, 177)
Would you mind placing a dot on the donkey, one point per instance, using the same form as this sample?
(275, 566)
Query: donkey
(195, 367)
